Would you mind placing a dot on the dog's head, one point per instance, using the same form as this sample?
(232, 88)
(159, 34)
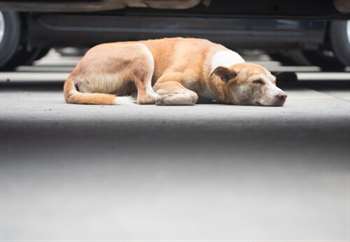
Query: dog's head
(248, 84)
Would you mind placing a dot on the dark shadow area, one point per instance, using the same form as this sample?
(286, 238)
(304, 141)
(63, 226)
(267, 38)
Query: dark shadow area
(319, 85)
(157, 135)
(31, 85)
(40, 70)
(43, 65)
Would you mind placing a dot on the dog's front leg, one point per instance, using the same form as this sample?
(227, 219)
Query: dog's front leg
(172, 92)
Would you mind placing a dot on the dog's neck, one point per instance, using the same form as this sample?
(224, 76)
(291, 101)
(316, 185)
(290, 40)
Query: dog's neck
(224, 58)
(215, 88)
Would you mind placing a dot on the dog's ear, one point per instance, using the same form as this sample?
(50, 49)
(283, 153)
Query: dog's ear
(224, 73)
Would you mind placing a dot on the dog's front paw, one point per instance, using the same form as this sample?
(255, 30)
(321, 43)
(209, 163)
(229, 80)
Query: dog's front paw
(177, 99)
(147, 99)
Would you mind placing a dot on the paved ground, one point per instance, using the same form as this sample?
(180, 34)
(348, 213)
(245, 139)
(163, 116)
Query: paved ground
(207, 172)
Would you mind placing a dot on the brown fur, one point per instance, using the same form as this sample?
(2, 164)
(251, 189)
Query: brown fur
(177, 68)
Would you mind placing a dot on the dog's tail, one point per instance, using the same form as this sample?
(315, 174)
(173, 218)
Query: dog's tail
(72, 95)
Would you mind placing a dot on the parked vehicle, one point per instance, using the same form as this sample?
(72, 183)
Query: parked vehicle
(333, 54)
(29, 28)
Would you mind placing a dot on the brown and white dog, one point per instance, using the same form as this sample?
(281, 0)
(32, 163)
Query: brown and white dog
(170, 71)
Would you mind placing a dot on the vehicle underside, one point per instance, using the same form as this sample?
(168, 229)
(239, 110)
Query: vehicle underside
(271, 25)
(271, 8)
(84, 30)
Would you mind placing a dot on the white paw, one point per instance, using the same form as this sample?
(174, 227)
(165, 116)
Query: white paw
(125, 100)
(154, 94)
(151, 92)
(177, 99)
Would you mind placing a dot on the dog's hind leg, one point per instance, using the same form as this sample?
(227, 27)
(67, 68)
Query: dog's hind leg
(106, 70)
(172, 92)
(142, 72)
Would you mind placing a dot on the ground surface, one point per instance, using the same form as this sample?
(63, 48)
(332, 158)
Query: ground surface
(207, 172)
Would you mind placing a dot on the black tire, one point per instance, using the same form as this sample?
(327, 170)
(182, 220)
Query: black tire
(323, 59)
(24, 57)
(290, 58)
(326, 60)
(27, 57)
(10, 42)
(340, 40)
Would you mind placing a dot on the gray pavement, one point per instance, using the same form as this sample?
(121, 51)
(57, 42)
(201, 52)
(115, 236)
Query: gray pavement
(207, 172)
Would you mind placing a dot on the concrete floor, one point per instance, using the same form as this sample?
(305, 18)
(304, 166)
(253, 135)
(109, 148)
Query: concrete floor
(207, 172)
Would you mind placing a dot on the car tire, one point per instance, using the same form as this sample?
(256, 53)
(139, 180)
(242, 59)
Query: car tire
(339, 36)
(28, 57)
(10, 38)
(326, 60)
(290, 58)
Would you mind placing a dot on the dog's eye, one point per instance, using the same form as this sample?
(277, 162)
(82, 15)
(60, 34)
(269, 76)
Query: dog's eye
(259, 82)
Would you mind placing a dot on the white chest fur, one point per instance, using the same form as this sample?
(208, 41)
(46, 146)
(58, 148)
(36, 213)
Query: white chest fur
(225, 58)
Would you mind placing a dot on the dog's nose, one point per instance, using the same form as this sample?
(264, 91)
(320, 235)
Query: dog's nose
(281, 97)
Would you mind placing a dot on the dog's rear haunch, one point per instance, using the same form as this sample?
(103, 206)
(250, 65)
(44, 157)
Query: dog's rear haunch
(170, 71)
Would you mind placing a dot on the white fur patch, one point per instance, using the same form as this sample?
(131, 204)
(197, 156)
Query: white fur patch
(125, 100)
(225, 58)
(151, 92)
(148, 84)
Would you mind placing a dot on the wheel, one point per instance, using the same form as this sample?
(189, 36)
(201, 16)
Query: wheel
(326, 60)
(10, 37)
(27, 57)
(290, 58)
(339, 36)
(13, 51)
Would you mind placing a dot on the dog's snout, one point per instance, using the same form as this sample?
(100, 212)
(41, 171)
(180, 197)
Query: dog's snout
(281, 96)
(280, 99)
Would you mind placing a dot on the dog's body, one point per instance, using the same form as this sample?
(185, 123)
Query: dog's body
(170, 71)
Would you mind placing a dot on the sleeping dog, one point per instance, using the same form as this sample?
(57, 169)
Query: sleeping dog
(170, 71)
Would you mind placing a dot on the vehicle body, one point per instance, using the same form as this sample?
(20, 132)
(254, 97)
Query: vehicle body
(287, 8)
(37, 25)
